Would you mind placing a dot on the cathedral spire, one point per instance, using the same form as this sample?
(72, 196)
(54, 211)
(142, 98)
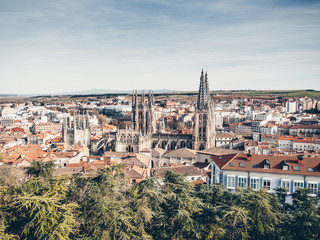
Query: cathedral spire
(204, 93)
(204, 123)
(207, 88)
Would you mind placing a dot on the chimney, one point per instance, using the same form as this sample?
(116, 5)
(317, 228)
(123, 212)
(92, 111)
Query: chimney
(300, 159)
(249, 157)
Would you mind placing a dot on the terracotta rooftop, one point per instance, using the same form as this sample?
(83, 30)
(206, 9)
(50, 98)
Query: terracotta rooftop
(198, 182)
(225, 135)
(135, 172)
(137, 159)
(315, 126)
(251, 143)
(309, 166)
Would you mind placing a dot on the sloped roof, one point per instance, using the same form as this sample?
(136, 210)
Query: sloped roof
(146, 150)
(181, 153)
(218, 151)
(135, 172)
(157, 152)
(314, 126)
(184, 170)
(137, 159)
(225, 135)
(255, 164)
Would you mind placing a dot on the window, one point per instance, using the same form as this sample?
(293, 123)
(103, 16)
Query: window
(267, 183)
(242, 164)
(295, 168)
(285, 165)
(254, 165)
(242, 182)
(310, 169)
(266, 164)
(255, 183)
(285, 183)
(231, 164)
(313, 187)
(230, 181)
(297, 185)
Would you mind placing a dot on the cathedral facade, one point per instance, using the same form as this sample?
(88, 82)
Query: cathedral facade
(139, 135)
(144, 132)
(76, 130)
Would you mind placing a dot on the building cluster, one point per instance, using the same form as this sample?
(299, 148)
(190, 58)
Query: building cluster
(236, 141)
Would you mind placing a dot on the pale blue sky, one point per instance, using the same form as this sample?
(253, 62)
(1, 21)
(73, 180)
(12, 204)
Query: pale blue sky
(71, 45)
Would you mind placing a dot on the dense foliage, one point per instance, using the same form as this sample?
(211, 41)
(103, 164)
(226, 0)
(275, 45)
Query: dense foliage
(107, 207)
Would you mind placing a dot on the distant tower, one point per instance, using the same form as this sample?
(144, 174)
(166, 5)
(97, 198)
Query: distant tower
(76, 130)
(204, 122)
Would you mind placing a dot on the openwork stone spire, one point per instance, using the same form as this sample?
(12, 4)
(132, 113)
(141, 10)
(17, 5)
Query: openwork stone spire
(204, 92)
(204, 122)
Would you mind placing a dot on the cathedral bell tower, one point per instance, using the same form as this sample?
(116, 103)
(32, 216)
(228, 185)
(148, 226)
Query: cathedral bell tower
(142, 114)
(204, 123)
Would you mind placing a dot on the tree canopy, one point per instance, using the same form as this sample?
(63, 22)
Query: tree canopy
(107, 207)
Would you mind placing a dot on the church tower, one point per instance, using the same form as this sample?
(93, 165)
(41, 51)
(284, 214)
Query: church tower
(204, 122)
(76, 130)
(143, 118)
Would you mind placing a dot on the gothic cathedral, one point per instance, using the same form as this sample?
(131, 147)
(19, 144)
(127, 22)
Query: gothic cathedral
(145, 132)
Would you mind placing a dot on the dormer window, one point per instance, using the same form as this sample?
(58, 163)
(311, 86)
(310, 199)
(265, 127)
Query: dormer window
(284, 165)
(266, 164)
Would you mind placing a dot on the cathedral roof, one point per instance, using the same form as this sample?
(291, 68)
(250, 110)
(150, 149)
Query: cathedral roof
(146, 150)
(157, 152)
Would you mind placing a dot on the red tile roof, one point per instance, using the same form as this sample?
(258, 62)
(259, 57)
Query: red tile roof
(315, 126)
(275, 164)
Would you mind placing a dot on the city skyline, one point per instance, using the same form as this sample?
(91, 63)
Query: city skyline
(51, 47)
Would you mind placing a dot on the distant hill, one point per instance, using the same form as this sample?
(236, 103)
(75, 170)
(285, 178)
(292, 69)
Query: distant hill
(9, 95)
(109, 91)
